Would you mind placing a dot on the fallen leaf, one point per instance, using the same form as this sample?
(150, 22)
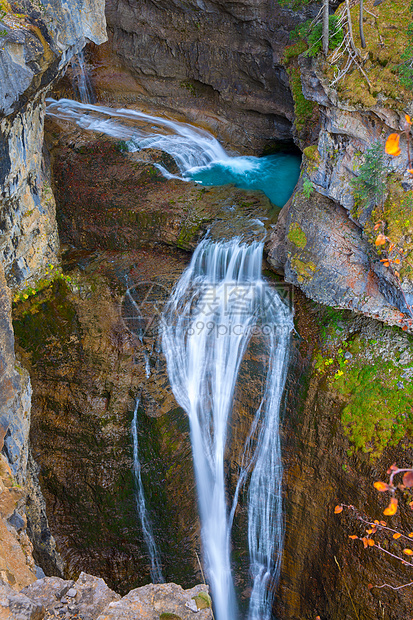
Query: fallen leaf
(380, 240)
(407, 117)
(391, 508)
(381, 486)
(392, 145)
(396, 535)
(353, 537)
(338, 509)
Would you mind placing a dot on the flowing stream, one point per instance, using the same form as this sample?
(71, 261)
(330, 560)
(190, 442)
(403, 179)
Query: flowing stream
(155, 570)
(219, 303)
(197, 153)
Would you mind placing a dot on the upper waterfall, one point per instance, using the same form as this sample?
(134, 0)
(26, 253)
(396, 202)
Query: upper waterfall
(218, 305)
(197, 153)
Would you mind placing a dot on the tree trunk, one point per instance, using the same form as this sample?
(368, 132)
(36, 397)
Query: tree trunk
(362, 39)
(325, 27)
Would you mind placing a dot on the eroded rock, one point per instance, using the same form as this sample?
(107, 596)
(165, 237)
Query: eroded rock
(158, 602)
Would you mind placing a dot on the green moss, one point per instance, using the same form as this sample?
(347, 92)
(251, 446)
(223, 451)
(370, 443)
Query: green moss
(293, 51)
(303, 108)
(169, 616)
(383, 57)
(297, 236)
(311, 152)
(202, 600)
(379, 411)
(304, 270)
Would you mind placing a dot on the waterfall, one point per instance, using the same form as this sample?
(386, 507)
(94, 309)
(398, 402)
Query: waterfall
(81, 79)
(219, 303)
(155, 570)
(197, 153)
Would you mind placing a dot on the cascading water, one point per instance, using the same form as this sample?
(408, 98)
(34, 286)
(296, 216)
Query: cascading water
(81, 79)
(155, 570)
(197, 153)
(220, 301)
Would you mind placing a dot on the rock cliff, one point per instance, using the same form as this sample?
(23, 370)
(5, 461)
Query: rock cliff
(176, 57)
(324, 241)
(38, 40)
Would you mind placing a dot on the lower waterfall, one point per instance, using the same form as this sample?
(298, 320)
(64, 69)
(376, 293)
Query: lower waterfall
(220, 302)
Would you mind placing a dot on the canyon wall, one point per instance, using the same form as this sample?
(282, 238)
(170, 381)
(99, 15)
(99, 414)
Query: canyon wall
(212, 63)
(37, 43)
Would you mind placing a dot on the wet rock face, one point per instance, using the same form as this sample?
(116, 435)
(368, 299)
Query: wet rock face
(85, 394)
(213, 63)
(324, 573)
(113, 200)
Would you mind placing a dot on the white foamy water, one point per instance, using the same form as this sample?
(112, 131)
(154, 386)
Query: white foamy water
(190, 146)
(207, 324)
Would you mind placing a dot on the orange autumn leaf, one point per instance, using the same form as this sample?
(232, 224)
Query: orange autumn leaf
(396, 535)
(381, 486)
(392, 145)
(410, 535)
(338, 509)
(353, 537)
(408, 120)
(383, 523)
(370, 542)
(410, 170)
(408, 551)
(385, 262)
(381, 240)
(365, 543)
(391, 508)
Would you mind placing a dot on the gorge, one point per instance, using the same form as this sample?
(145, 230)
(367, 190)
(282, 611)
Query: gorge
(126, 221)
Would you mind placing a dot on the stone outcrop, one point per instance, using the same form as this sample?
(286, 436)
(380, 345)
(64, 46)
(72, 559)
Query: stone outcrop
(321, 251)
(90, 598)
(175, 57)
(37, 43)
(334, 259)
